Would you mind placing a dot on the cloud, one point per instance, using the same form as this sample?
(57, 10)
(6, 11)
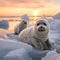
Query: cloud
(21, 3)
(56, 1)
(25, 3)
(28, 1)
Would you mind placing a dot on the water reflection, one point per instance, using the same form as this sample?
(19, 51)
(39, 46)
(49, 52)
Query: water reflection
(12, 25)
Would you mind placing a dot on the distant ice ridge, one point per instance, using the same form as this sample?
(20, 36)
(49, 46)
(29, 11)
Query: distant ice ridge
(25, 17)
(54, 25)
(57, 16)
(43, 17)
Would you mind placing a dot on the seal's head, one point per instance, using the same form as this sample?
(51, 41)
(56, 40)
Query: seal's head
(24, 22)
(42, 26)
(25, 19)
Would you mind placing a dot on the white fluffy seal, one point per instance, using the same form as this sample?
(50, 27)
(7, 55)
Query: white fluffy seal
(22, 25)
(37, 35)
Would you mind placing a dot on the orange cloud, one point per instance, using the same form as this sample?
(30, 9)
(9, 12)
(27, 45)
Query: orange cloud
(18, 7)
(26, 3)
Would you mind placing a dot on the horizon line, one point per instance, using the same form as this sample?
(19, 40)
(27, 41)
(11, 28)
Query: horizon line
(20, 16)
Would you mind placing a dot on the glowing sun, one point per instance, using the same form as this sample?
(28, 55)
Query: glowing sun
(35, 13)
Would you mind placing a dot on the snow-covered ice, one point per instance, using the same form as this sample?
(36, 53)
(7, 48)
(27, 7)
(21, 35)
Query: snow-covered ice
(57, 16)
(12, 49)
(25, 17)
(52, 55)
(18, 54)
(4, 24)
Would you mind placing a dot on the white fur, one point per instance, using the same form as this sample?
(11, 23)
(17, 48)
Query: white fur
(21, 25)
(31, 35)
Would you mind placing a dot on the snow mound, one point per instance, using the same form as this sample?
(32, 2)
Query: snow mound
(52, 55)
(18, 54)
(57, 16)
(10, 50)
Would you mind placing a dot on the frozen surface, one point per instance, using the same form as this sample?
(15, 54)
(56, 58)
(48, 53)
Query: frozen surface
(57, 16)
(17, 50)
(18, 54)
(52, 55)
(4, 24)
(12, 49)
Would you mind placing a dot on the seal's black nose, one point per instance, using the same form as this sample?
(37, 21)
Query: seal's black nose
(41, 28)
(25, 22)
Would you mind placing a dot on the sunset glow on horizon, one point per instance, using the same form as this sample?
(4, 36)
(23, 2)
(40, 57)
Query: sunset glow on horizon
(35, 13)
(30, 7)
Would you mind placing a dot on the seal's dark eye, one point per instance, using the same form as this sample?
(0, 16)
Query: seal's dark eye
(38, 24)
(24, 22)
(44, 23)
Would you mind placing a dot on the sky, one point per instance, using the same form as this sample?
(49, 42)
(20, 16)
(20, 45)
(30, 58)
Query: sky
(30, 7)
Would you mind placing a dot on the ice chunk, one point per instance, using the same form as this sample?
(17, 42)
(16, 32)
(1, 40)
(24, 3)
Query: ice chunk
(8, 47)
(25, 17)
(52, 55)
(58, 58)
(57, 16)
(4, 24)
(18, 54)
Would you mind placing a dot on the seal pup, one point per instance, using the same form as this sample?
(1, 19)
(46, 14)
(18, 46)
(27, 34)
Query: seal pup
(22, 25)
(37, 35)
